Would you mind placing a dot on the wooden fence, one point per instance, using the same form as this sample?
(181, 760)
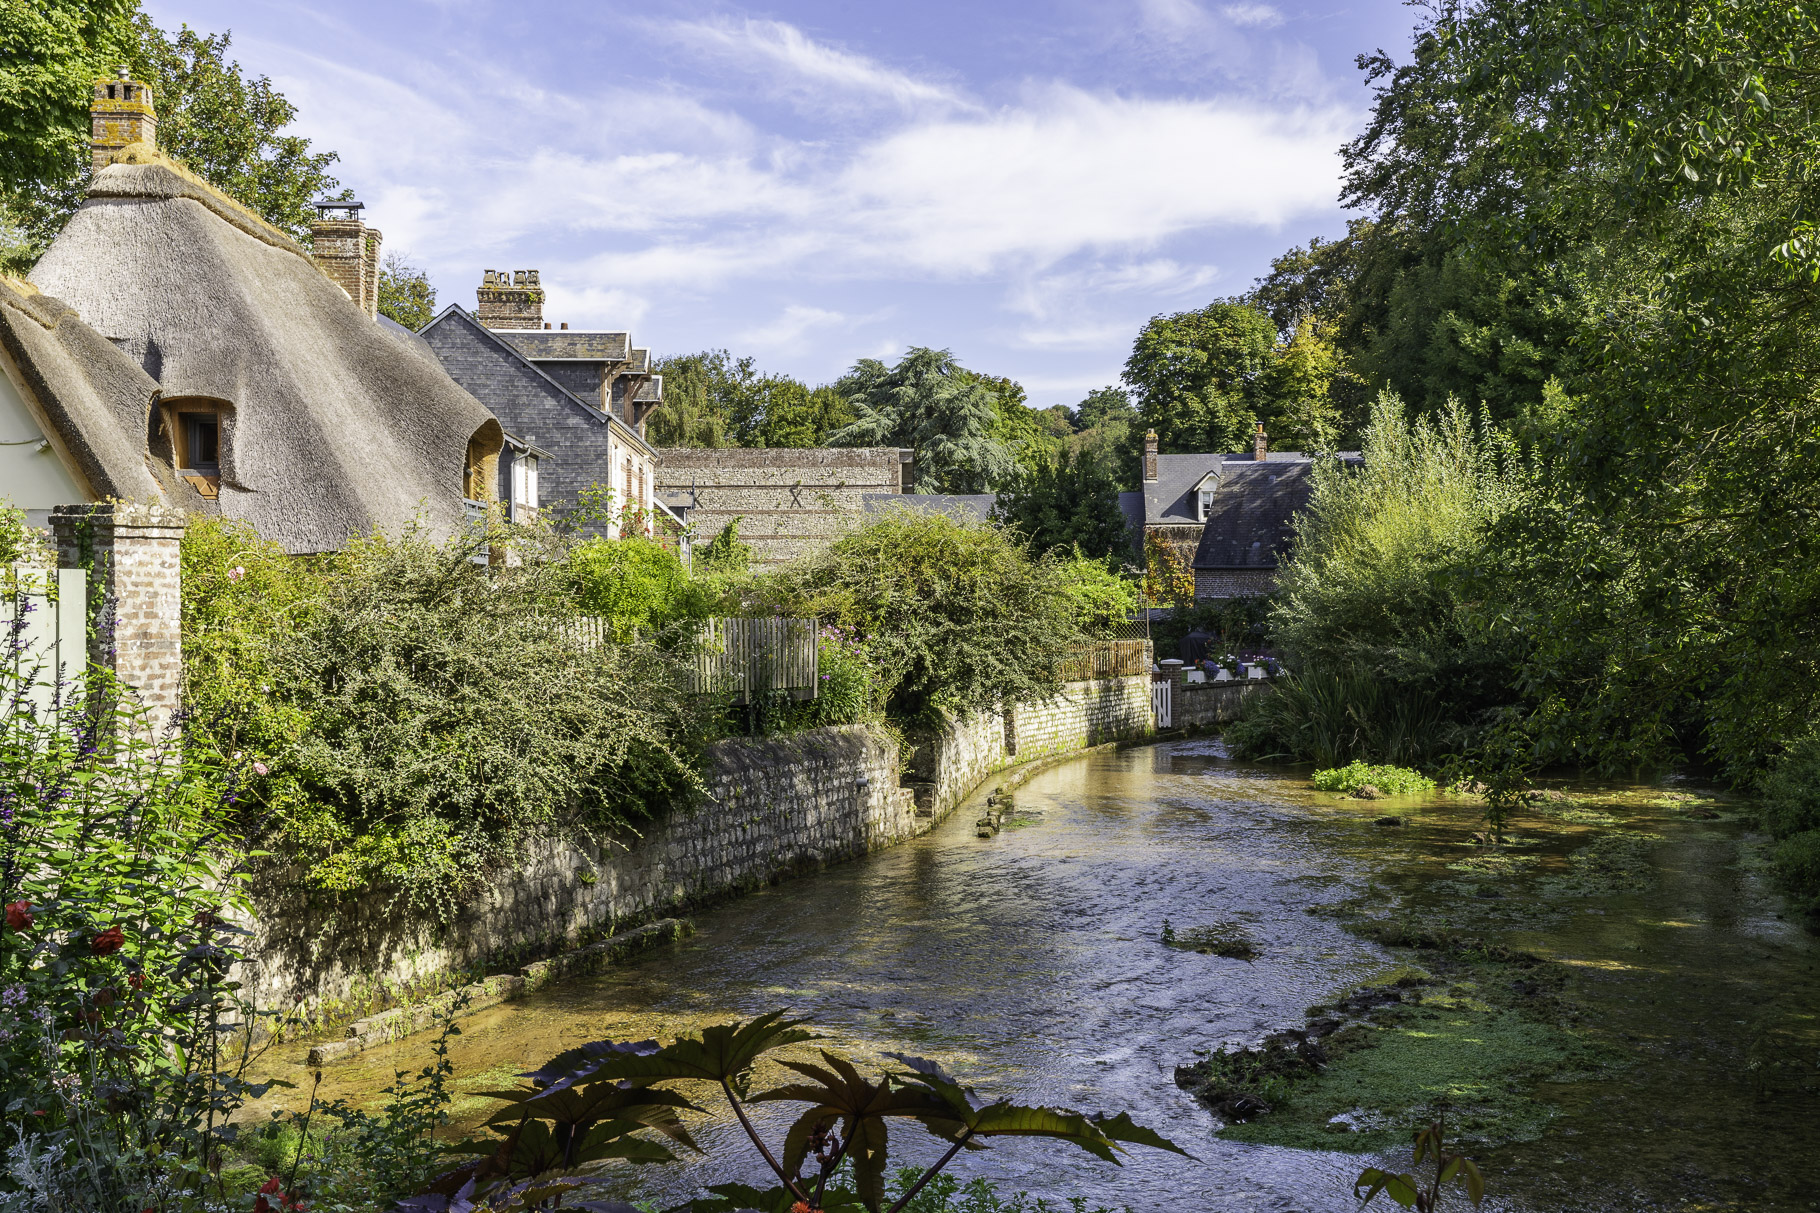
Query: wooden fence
(43, 637)
(742, 657)
(1108, 659)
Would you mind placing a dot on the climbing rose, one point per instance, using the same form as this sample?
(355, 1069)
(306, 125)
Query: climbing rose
(271, 1188)
(19, 915)
(259, 768)
(108, 942)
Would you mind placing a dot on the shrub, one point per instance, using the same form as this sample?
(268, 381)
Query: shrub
(849, 690)
(637, 585)
(1330, 718)
(1099, 598)
(21, 543)
(122, 1045)
(956, 615)
(1797, 863)
(1791, 792)
(1392, 781)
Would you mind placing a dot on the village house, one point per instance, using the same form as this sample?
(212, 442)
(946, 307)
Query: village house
(579, 397)
(1229, 517)
(174, 349)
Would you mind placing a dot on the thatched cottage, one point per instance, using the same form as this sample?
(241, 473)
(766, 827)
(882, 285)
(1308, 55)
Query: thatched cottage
(174, 348)
(582, 396)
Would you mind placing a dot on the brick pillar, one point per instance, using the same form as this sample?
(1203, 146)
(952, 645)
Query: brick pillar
(131, 554)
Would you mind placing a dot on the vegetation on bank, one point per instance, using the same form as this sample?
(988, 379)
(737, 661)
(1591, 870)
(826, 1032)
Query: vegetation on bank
(414, 715)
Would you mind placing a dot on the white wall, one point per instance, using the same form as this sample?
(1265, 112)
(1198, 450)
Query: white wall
(32, 474)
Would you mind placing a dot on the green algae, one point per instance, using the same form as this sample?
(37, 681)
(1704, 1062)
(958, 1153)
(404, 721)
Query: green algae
(1618, 861)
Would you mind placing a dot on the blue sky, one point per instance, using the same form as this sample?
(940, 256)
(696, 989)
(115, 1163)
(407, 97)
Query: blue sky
(1024, 183)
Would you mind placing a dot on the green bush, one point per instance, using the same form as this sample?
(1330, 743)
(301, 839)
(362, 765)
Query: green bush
(1797, 863)
(955, 615)
(637, 585)
(1392, 781)
(1098, 596)
(1791, 792)
(415, 716)
(1333, 718)
(849, 690)
(20, 543)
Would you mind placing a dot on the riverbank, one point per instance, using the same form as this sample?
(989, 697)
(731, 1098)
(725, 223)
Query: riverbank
(1031, 964)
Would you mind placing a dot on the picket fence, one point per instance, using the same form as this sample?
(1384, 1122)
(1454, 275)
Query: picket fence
(43, 637)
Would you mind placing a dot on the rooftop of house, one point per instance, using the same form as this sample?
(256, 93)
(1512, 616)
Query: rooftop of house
(1250, 521)
(331, 424)
(569, 345)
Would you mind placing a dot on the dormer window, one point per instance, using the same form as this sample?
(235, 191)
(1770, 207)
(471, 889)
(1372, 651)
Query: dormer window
(198, 432)
(1203, 504)
(201, 443)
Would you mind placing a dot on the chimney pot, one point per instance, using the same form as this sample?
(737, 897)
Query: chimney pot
(546, 324)
(510, 299)
(565, 324)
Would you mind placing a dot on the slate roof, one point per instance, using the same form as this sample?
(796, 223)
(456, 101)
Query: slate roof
(550, 345)
(337, 425)
(1250, 524)
(970, 507)
(1131, 505)
(1169, 499)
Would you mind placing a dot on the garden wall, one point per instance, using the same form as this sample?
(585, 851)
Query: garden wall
(775, 808)
(948, 765)
(1197, 704)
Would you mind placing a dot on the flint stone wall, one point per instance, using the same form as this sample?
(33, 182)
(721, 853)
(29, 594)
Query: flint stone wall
(1195, 704)
(949, 765)
(789, 501)
(775, 808)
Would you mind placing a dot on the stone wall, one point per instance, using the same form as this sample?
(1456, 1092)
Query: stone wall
(774, 808)
(946, 767)
(1233, 583)
(788, 501)
(1198, 704)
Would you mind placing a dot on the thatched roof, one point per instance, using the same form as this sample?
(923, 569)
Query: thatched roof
(336, 424)
(96, 399)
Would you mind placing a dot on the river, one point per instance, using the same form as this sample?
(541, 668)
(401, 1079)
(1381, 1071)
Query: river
(1030, 964)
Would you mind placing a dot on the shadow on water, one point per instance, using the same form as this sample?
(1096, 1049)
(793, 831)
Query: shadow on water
(1031, 964)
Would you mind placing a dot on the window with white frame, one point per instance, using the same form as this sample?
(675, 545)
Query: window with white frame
(1204, 505)
(524, 485)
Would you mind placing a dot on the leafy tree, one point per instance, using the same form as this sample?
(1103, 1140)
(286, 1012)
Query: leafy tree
(698, 399)
(956, 615)
(1198, 376)
(786, 413)
(1103, 405)
(224, 125)
(405, 293)
(229, 127)
(1057, 421)
(930, 403)
(637, 585)
(1068, 501)
(50, 57)
(1301, 381)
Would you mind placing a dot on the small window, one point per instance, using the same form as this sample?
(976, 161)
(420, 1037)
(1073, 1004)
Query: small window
(1206, 503)
(201, 443)
(524, 483)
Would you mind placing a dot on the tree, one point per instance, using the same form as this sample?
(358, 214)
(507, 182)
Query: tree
(405, 293)
(788, 413)
(697, 410)
(50, 57)
(1197, 376)
(930, 403)
(1102, 405)
(1068, 501)
(223, 125)
(229, 127)
(1300, 382)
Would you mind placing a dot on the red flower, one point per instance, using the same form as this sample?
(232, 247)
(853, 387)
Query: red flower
(136, 980)
(108, 942)
(19, 915)
(260, 1203)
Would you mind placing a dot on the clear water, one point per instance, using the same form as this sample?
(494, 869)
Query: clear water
(1030, 964)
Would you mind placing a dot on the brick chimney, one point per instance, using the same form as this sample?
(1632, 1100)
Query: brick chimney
(510, 300)
(1150, 455)
(120, 114)
(347, 250)
(1260, 444)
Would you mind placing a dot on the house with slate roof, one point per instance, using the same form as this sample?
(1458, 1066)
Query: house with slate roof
(172, 348)
(580, 397)
(1229, 516)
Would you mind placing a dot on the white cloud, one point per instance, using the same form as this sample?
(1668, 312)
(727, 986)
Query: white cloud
(1253, 16)
(786, 332)
(793, 64)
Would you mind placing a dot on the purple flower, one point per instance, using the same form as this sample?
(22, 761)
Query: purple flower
(12, 996)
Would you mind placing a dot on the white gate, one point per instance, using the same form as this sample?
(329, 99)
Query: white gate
(43, 637)
(1162, 701)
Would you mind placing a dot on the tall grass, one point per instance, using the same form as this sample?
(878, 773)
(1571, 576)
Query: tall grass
(1330, 719)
